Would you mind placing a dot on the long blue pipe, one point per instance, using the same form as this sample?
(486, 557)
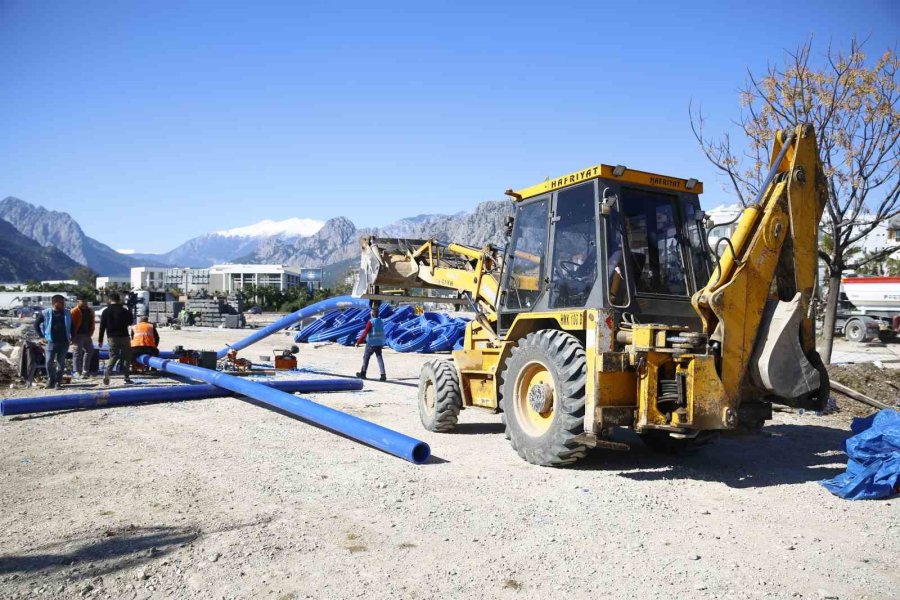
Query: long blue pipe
(104, 353)
(172, 393)
(380, 437)
(285, 322)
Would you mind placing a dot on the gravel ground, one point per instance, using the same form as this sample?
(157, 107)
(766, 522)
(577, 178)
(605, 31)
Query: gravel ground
(221, 498)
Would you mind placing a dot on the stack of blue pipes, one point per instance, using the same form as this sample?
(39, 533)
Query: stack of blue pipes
(404, 329)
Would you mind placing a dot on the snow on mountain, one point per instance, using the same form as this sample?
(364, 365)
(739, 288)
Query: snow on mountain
(269, 228)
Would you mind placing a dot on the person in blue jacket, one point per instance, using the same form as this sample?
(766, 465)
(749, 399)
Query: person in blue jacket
(55, 326)
(373, 336)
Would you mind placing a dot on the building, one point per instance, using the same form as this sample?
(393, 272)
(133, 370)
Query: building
(105, 282)
(60, 282)
(232, 277)
(189, 280)
(723, 222)
(226, 278)
(148, 278)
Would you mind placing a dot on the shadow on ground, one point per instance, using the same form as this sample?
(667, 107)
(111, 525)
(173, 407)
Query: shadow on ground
(479, 428)
(781, 454)
(114, 550)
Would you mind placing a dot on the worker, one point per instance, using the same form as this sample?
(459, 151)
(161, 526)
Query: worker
(83, 336)
(55, 326)
(144, 338)
(115, 321)
(373, 335)
(185, 317)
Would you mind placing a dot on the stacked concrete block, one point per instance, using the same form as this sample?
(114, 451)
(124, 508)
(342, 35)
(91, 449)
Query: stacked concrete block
(163, 312)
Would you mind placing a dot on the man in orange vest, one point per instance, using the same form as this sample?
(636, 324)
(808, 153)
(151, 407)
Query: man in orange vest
(144, 338)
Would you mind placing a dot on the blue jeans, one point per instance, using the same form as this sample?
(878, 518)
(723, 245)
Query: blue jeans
(370, 350)
(56, 361)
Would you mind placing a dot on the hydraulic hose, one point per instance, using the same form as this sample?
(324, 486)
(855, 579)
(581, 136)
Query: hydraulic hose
(364, 431)
(285, 322)
(170, 393)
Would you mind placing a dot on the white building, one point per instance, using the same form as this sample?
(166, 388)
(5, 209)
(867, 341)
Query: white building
(233, 277)
(147, 278)
(724, 222)
(104, 282)
(225, 278)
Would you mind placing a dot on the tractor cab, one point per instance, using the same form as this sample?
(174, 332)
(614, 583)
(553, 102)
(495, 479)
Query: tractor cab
(606, 237)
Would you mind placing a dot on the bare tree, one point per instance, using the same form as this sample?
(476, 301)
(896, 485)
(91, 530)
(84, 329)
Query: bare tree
(854, 105)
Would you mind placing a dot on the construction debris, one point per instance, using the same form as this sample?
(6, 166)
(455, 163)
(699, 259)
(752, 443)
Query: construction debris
(856, 395)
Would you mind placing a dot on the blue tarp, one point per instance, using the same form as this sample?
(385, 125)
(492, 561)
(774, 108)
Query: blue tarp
(873, 468)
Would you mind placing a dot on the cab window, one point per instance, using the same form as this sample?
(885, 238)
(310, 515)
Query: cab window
(525, 259)
(651, 226)
(574, 247)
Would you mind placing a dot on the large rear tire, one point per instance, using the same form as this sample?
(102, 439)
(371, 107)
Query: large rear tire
(440, 398)
(543, 387)
(855, 331)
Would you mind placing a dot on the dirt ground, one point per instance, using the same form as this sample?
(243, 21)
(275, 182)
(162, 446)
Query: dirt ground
(221, 498)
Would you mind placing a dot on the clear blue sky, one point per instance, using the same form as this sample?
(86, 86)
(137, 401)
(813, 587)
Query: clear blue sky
(212, 115)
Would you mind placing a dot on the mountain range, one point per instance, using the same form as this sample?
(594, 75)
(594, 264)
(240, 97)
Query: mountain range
(295, 242)
(60, 230)
(22, 258)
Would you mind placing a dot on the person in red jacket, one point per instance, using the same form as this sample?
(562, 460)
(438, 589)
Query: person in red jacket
(373, 335)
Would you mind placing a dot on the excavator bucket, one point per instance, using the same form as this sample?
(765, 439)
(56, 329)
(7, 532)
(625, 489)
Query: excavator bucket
(778, 365)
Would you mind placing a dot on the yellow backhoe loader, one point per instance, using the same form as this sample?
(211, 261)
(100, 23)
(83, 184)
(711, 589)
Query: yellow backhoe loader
(607, 308)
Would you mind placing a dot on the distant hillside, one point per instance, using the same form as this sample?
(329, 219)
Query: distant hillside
(23, 259)
(338, 240)
(59, 229)
(297, 242)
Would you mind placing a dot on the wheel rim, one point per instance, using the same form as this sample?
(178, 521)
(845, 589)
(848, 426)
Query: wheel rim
(535, 401)
(855, 331)
(428, 396)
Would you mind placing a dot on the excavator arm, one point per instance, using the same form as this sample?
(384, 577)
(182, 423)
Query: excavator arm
(391, 269)
(757, 306)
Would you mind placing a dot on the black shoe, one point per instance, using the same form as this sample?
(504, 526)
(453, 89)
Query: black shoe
(383, 377)
(128, 382)
(49, 385)
(361, 375)
(58, 386)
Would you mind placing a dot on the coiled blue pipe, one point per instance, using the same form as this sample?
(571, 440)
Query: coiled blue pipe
(326, 321)
(411, 340)
(445, 336)
(285, 322)
(374, 435)
(171, 393)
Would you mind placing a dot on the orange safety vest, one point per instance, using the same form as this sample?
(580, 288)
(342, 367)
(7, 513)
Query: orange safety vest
(143, 336)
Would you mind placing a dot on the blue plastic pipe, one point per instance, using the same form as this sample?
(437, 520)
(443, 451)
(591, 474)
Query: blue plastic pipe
(340, 302)
(374, 435)
(104, 353)
(171, 393)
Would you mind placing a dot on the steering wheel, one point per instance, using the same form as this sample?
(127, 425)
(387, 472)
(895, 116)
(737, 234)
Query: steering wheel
(570, 267)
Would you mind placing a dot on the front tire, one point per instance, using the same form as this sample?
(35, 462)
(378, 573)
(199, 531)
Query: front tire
(543, 387)
(440, 398)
